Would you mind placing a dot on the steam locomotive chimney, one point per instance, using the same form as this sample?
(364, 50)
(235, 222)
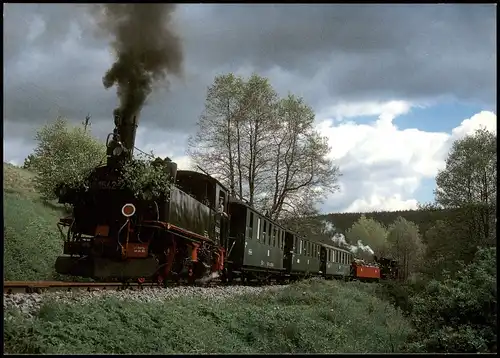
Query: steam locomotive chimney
(126, 126)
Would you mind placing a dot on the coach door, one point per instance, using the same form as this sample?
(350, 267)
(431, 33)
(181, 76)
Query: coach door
(288, 251)
(323, 259)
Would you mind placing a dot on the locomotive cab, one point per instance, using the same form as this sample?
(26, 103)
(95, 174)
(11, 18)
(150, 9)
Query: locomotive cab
(211, 193)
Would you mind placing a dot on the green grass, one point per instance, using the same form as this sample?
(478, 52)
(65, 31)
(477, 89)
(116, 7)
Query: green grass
(31, 239)
(309, 317)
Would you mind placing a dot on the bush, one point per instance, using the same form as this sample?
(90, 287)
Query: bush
(145, 178)
(458, 314)
(64, 154)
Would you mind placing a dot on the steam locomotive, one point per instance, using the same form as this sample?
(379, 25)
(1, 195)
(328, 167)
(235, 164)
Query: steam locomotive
(195, 232)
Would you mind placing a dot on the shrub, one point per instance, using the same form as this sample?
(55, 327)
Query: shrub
(64, 154)
(458, 314)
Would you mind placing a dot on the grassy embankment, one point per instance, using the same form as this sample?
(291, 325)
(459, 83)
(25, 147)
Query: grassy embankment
(311, 316)
(31, 239)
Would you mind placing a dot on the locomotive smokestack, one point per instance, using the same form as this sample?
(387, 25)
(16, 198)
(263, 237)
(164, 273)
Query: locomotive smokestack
(126, 124)
(147, 51)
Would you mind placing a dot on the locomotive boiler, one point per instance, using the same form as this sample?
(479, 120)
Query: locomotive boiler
(112, 234)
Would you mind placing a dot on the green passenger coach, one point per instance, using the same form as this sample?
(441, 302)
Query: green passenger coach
(335, 262)
(302, 256)
(260, 248)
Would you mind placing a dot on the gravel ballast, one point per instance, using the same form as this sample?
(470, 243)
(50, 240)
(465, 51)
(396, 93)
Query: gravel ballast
(29, 304)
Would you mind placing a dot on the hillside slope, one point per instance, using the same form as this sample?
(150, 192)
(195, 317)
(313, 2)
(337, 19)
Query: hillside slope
(31, 239)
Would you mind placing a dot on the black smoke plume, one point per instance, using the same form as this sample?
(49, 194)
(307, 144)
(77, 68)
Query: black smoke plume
(147, 50)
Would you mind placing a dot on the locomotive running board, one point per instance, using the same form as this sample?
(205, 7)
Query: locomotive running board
(177, 230)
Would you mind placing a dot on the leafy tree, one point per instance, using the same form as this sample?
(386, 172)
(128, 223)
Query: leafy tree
(371, 233)
(29, 162)
(469, 181)
(459, 314)
(263, 147)
(405, 245)
(64, 154)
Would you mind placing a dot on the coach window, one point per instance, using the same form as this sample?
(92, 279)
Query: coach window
(264, 231)
(258, 229)
(250, 228)
(275, 231)
(301, 243)
(282, 240)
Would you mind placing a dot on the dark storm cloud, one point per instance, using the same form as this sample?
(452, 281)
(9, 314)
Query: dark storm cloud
(383, 50)
(328, 53)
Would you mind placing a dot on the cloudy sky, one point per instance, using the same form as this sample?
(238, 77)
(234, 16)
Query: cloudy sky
(392, 85)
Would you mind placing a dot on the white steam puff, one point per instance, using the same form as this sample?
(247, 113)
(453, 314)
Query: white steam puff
(329, 228)
(362, 247)
(340, 240)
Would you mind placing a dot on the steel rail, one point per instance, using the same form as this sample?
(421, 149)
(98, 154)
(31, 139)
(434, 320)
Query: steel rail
(42, 286)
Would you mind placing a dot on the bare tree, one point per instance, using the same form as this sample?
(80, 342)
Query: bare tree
(300, 166)
(263, 147)
(213, 146)
(255, 132)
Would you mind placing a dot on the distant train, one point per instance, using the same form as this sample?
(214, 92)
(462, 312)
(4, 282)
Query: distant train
(196, 231)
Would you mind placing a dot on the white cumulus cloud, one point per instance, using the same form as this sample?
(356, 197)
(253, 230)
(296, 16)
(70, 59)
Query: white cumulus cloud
(383, 166)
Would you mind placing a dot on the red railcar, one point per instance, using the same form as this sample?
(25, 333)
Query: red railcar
(365, 272)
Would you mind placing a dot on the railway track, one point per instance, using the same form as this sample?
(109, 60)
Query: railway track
(10, 287)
